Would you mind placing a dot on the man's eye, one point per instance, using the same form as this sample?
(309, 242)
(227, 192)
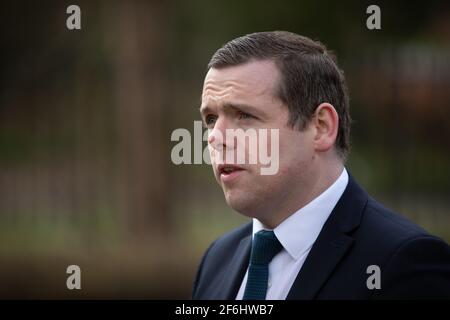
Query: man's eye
(243, 115)
(210, 120)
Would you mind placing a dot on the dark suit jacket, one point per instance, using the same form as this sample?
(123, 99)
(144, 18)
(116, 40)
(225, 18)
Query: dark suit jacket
(359, 232)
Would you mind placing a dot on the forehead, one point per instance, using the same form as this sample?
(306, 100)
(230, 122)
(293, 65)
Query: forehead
(252, 80)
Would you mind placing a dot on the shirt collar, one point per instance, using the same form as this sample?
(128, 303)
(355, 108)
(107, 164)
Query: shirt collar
(300, 230)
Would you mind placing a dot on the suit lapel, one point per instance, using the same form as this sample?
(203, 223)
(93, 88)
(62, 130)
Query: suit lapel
(318, 266)
(332, 243)
(235, 273)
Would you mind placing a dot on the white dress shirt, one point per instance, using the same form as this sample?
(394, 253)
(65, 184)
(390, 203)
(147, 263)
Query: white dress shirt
(297, 234)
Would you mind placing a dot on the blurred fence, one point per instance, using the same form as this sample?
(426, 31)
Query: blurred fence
(86, 117)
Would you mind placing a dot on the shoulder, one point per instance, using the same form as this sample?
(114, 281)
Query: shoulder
(388, 226)
(224, 246)
(413, 263)
(388, 232)
(216, 259)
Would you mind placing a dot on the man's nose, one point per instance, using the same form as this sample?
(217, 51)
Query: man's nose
(217, 135)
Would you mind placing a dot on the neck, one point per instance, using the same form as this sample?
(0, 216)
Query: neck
(316, 183)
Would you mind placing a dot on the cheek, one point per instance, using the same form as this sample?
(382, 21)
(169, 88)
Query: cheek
(212, 154)
(295, 148)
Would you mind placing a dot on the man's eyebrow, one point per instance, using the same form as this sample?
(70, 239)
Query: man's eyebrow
(203, 109)
(235, 106)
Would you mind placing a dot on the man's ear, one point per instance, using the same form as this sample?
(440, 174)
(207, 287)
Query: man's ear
(326, 122)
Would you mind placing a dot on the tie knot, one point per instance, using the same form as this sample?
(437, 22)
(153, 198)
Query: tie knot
(264, 247)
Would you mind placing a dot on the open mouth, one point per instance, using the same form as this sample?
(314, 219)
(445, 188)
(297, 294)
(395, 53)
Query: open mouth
(228, 172)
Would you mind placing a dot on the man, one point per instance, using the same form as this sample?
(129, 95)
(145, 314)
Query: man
(315, 233)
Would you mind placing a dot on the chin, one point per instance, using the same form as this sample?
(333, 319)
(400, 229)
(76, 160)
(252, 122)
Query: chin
(245, 205)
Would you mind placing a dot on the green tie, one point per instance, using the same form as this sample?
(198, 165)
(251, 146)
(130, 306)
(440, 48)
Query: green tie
(265, 246)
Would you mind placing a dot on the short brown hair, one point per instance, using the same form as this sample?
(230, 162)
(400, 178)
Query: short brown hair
(309, 75)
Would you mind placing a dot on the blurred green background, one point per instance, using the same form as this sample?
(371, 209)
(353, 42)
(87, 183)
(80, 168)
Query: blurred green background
(86, 117)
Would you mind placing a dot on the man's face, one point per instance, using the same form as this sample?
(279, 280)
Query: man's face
(244, 97)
